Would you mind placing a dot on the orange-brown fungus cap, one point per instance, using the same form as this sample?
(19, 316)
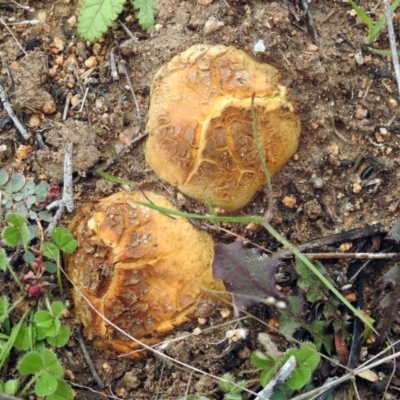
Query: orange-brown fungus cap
(200, 125)
(141, 269)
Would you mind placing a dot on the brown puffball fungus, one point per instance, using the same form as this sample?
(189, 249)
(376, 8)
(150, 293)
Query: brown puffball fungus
(200, 125)
(141, 269)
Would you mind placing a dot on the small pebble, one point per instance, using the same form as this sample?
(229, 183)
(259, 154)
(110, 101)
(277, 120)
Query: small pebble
(72, 22)
(24, 152)
(91, 62)
(204, 2)
(312, 47)
(393, 103)
(212, 25)
(357, 187)
(289, 201)
(318, 182)
(259, 46)
(360, 112)
(96, 48)
(34, 120)
(49, 107)
(359, 58)
(81, 50)
(346, 246)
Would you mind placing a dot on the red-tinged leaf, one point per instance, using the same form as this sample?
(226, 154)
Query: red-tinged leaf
(245, 272)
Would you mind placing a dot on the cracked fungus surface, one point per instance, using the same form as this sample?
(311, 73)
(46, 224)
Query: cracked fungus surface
(142, 270)
(200, 124)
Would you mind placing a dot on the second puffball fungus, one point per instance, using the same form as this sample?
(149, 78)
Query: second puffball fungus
(200, 124)
(144, 271)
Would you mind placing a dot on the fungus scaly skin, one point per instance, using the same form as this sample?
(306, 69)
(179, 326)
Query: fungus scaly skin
(200, 124)
(144, 271)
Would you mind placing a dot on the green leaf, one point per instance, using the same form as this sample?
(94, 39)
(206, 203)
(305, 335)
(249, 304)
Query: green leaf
(4, 264)
(116, 179)
(261, 360)
(299, 378)
(16, 183)
(63, 392)
(50, 250)
(42, 190)
(96, 16)
(146, 12)
(307, 355)
(50, 267)
(63, 238)
(45, 216)
(46, 384)
(31, 363)
(3, 177)
(21, 224)
(232, 396)
(52, 364)
(46, 321)
(43, 319)
(29, 257)
(11, 386)
(4, 304)
(28, 189)
(24, 338)
(62, 338)
(266, 376)
(11, 236)
(226, 386)
(57, 308)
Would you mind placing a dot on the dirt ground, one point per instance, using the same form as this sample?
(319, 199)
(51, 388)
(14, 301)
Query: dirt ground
(344, 175)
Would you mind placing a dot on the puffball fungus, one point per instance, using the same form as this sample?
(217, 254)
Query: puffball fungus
(144, 271)
(200, 124)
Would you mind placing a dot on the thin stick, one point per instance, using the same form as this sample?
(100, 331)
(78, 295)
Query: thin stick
(96, 377)
(138, 116)
(9, 30)
(67, 200)
(10, 78)
(311, 25)
(392, 40)
(369, 256)
(7, 106)
(130, 34)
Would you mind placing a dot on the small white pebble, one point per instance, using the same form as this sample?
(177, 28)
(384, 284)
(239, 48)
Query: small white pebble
(259, 46)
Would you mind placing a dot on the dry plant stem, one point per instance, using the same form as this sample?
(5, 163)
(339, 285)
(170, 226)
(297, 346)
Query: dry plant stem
(7, 397)
(7, 106)
(392, 40)
(130, 34)
(113, 67)
(149, 348)
(280, 377)
(333, 240)
(346, 377)
(313, 30)
(67, 200)
(9, 30)
(138, 116)
(369, 256)
(9, 75)
(92, 390)
(96, 377)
